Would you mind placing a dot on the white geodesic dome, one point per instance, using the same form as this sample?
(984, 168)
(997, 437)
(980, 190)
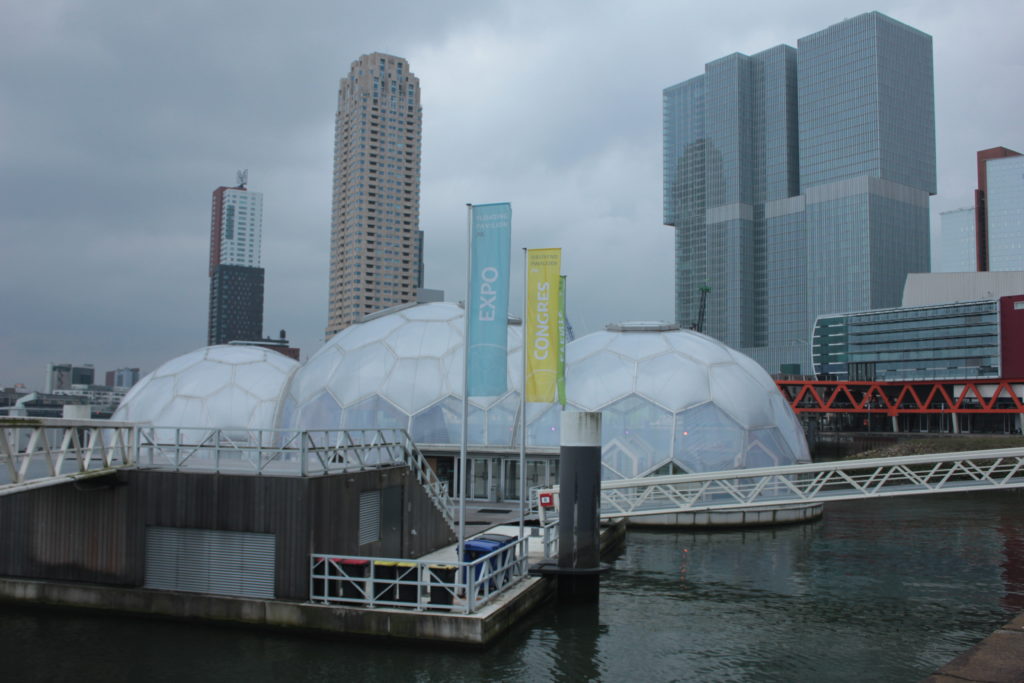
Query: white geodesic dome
(402, 367)
(229, 387)
(678, 401)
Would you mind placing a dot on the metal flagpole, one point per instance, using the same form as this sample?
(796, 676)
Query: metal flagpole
(522, 405)
(465, 384)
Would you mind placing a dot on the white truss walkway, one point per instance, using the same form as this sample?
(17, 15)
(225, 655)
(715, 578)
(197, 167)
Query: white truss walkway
(813, 483)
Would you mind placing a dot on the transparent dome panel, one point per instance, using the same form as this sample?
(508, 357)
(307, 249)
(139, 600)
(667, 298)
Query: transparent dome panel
(789, 425)
(673, 381)
(361, 373)
(542, 423)
(149, 403)
(413, 383)
(234, 355)
(422, 339)
(286, 414)
(737, 393)
(323, 412)
(637, 345)
(579, 349)
(203, 379)
(434, 311)
(232, 407)
(599, 379)
(708, 440)
(767, 448)
(373, 413)
(641, 429)
(371, 332)
(442, 424)
(315, 374)
(699, 347)
(501, 419)
(261, 380)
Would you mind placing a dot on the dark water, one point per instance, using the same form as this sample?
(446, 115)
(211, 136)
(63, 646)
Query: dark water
(885, 590)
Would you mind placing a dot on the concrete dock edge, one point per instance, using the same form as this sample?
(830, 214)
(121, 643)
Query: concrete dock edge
(999, 658)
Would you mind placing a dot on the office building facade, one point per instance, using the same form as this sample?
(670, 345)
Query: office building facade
(985, 243)
(376, 245)
(1005, 209)
(236, 278)
(957, 248)
(797, 181)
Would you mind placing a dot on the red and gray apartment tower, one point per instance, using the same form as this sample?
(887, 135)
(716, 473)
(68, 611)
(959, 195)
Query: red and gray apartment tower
(236, 278)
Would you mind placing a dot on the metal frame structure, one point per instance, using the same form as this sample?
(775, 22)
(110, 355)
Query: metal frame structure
(37, 452)
(966, 397)
(813, 483)
(417, 584)
(96, 447)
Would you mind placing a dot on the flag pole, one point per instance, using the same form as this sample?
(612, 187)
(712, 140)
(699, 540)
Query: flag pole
(460, 548)
(522, 405)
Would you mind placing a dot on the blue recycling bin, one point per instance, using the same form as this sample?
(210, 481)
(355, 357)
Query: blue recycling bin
(485, 544)
(476, 548)
(501, 560)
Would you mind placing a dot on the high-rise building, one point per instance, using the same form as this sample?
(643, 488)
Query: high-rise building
(797, 181)
(376, 244)
(999, 209)
(64, 375)
(122, 378)
(236, 279)
(957, 243)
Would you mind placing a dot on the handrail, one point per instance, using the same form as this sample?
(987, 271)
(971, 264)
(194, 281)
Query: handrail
(30, 458)
(812, 483)
(400, 583)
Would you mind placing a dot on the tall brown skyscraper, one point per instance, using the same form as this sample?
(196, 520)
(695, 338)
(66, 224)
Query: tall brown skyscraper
(376, 243)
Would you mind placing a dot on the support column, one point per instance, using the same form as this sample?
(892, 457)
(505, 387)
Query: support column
(579, 481)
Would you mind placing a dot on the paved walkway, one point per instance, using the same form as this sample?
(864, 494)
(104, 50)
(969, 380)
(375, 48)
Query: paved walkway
(997, 659)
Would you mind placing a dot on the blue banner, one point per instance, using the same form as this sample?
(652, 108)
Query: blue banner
(487, 308)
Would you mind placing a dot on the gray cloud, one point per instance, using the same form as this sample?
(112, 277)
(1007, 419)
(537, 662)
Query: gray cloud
(117, 120)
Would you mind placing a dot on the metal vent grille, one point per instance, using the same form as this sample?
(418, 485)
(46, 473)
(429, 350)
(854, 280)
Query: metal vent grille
(369, 517)
(208, 561)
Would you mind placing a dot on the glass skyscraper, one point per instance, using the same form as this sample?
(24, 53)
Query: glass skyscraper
(798, 181)
(957, 243)
(1005, 204)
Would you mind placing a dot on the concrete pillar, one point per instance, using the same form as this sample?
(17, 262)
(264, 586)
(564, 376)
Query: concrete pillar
(895, 424)
(579, 481)
(956, 423)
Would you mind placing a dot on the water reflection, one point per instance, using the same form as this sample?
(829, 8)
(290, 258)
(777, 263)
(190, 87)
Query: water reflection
(880, 590)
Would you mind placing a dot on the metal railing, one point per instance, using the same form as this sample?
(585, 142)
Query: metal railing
(37, 452)
(44, 451)
(393, 583)
(309, 453)
(813, 483)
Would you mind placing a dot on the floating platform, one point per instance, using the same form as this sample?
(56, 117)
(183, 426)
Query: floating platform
(477, 629)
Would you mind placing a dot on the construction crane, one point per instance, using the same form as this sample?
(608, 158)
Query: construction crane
(699, 325)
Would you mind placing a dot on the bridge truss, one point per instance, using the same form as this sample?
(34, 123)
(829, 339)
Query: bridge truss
(964, 397)
(812, 483)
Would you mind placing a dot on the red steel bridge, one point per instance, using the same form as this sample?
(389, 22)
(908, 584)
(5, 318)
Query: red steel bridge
(989, 397)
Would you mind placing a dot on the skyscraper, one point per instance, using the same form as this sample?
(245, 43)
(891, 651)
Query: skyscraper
(957, 242)
(999, 210)
(797, 181)
(236, 279)
(376, 244)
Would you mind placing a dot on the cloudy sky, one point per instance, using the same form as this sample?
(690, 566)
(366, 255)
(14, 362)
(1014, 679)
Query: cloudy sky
(118, 118)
